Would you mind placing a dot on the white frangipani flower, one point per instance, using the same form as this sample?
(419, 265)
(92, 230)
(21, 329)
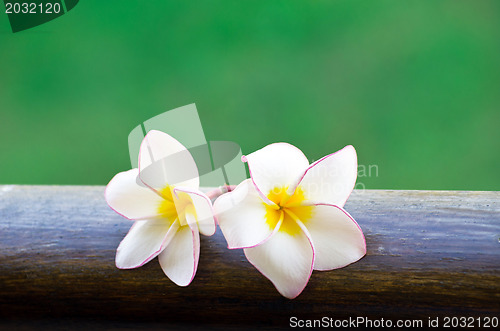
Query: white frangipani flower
(289, 216)
(169, 211)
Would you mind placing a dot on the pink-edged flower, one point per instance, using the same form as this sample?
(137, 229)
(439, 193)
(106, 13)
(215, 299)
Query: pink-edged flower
(289, 216)
(169, 211)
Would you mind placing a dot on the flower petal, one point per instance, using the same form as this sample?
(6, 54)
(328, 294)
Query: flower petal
(203, 210)
(286, 260)
(338, 239)
(165, 161)
(241, 215)
(129, 197)
(179, 260)
(331, 179)
(277, 165)
(144, 241)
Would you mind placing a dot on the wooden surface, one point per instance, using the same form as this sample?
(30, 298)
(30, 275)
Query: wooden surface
(430, 253)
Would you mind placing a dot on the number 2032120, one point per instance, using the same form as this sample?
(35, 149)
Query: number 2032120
(32, 8)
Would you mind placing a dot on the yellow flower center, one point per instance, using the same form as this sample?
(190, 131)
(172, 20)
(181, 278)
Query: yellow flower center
(289, 208)
(174, 207)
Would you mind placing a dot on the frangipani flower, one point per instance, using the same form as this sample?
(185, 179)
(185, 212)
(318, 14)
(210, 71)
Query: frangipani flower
(169, 211)
(289, 216)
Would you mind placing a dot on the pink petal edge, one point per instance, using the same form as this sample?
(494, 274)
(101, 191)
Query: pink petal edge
(106, 198)
(276, 229)
(196, 247)
(201, 194)
(356, 223)
(304, 229)
(154, 254)
(245, 160)
(262, 195)
(325, 157)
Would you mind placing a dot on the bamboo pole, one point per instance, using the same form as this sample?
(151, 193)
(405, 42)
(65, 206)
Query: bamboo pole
(430, 254)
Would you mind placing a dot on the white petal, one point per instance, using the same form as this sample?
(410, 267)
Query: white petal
(332, 178)
(277, 165)
(179, 260)
(144, 241)
(338, 239)
(163, 160)
(129, 197)
(203, 208)
(241, 215)
(286, 260)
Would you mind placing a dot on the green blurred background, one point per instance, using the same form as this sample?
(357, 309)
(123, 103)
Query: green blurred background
(413, 85)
